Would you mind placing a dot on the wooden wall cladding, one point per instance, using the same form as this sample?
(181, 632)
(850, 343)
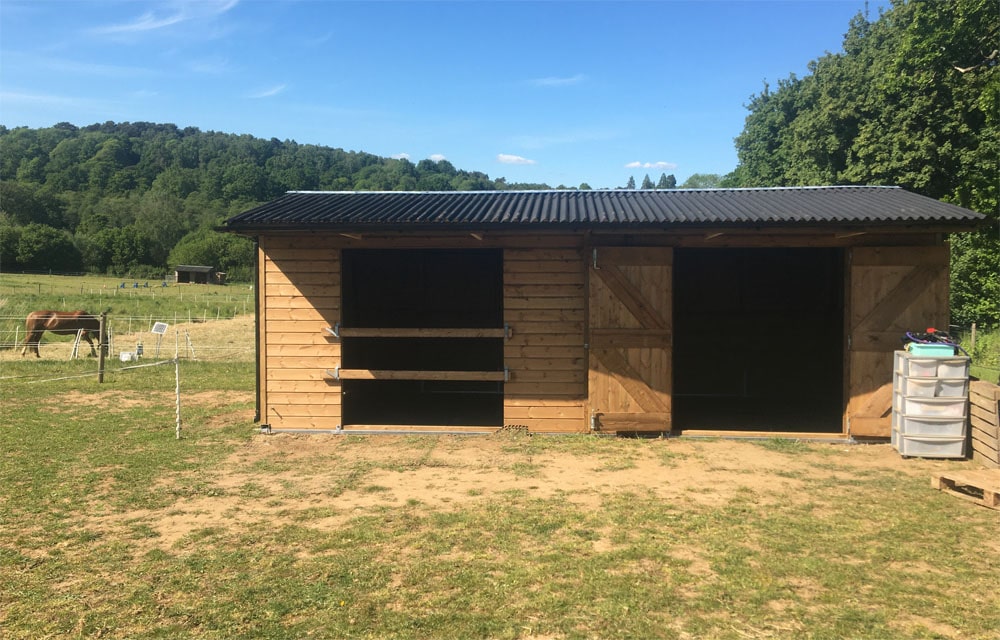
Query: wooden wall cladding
(890, 289)
(545, 308)
(300, 288)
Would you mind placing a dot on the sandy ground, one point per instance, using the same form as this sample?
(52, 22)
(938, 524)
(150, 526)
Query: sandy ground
(307, 474)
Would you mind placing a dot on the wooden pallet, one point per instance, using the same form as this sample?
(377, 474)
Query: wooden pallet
(984, 423)
(981, 487)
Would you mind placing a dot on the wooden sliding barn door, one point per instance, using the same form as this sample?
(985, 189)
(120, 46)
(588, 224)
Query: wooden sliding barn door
(892, 290)
(631, 291)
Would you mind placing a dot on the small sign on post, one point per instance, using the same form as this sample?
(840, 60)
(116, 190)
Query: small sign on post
(159, 328)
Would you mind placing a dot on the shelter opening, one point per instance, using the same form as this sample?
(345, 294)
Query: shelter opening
(423, 331)
(758, 342)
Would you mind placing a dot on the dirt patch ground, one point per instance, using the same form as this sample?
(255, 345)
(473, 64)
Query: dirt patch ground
(332, 478)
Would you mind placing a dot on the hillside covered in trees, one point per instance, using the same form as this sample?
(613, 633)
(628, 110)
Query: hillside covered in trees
(135, 198)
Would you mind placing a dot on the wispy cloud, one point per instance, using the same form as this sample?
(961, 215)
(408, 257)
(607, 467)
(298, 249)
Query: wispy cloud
(179, 11)
(40, 103)
(558, 82)
(37, 99)
(74, 67)
(506, 158)
(651, 165)
(267, 93)
(437, 157)
(400, 156)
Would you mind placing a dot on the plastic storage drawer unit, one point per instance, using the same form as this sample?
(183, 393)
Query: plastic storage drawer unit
(935, 427)
(932, 387)
(929, 403)
(930, 447)
(932, 407)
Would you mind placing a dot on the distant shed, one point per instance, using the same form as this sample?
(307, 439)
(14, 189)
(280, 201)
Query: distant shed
(684, 311)
(197, 274)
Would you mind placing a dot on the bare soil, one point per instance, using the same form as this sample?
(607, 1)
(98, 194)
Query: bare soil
(274, 477)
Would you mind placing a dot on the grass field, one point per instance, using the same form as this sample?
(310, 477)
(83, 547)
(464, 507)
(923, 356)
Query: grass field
(112, 528)
(131, 309)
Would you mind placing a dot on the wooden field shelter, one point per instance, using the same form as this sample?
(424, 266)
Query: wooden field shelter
(612, 311)
(198, 274)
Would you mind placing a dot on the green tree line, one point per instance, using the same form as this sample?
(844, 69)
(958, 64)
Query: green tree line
(136, 198)
(913, 100)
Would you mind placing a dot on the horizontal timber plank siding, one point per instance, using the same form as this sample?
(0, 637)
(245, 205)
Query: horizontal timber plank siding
(544, 306)
(301, 294)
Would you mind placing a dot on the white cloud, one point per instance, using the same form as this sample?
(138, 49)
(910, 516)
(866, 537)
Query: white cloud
(666, 166)
(506, 158)
(559, 82)
(437, 157)
(183, 11)
(401, 156)
(268, 93)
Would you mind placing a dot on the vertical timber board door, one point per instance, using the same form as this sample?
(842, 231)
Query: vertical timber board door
(892, 290)
(631, 323)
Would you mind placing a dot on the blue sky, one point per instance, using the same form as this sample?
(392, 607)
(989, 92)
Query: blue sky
(553, 92)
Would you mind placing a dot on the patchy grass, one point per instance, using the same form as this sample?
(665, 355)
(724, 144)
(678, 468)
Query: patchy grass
(110, 527)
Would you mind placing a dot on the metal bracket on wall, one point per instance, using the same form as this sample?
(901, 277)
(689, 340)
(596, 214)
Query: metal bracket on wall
(335, 374)
(334, 330)
(507, 331)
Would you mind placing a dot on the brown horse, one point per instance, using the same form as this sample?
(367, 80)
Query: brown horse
(61, 323)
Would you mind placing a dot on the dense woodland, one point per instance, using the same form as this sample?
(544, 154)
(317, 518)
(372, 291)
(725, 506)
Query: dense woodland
(913, 99)
(136, 197)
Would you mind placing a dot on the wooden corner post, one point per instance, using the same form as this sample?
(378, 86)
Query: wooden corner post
(102, 347)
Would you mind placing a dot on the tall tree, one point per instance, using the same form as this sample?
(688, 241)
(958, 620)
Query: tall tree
(912, 100)
(703, 181)
(631, 183)
(667, 182)
(647, 183)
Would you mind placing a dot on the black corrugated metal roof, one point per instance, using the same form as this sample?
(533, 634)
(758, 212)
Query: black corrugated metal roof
(604, 209)
(195, 268)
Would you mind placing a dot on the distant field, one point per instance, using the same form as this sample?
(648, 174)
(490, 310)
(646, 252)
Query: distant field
(131, 309)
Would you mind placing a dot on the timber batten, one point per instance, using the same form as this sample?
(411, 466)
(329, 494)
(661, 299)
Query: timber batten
(575, 324)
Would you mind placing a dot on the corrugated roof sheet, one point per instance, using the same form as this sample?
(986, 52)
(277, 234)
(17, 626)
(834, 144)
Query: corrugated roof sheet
(601, 209)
